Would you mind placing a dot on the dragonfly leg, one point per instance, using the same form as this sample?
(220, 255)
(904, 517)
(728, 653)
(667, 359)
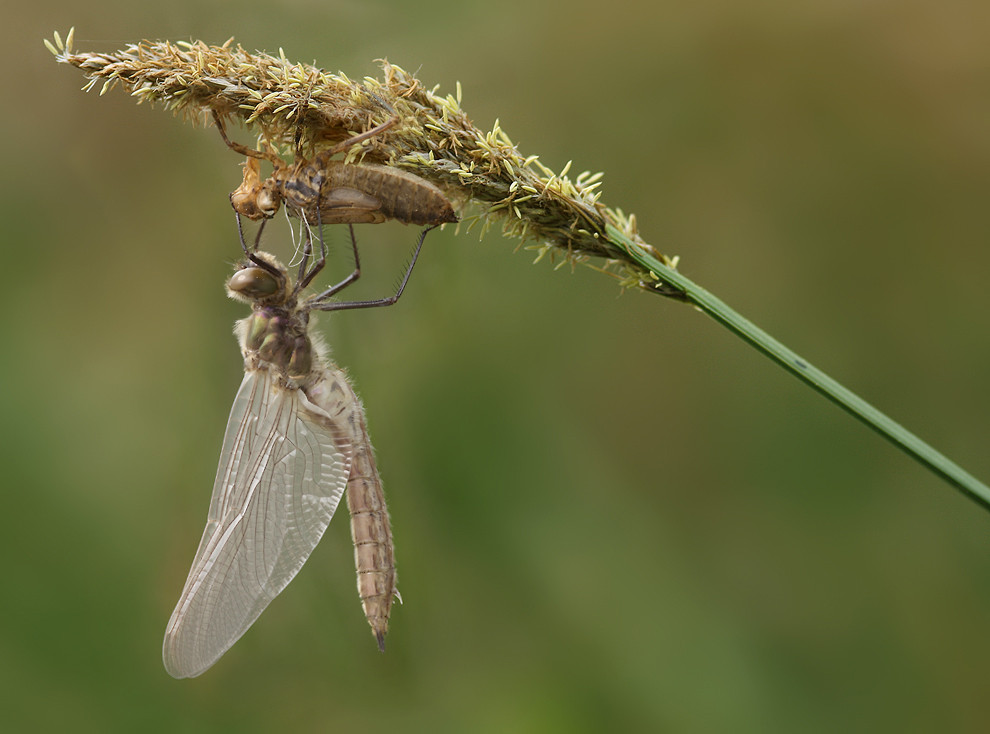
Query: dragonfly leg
(329, 153)
(251, 253)
(306, 239)
(355, 274)
(240, 234)
(321, 302)
(238, 147)
(257, 236)
(306, 272)
(306, 277)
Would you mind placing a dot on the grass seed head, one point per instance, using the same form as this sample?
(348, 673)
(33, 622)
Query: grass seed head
(285, 102)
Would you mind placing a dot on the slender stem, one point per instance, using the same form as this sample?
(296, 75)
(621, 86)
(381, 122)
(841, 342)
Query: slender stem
(803, 370)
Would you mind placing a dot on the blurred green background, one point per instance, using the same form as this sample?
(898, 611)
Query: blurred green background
(610, 514)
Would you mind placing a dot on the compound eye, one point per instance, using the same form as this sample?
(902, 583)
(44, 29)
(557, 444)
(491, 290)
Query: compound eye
(254, 283)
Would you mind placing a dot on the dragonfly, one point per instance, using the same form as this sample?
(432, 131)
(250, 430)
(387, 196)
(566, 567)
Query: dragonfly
(296, 442)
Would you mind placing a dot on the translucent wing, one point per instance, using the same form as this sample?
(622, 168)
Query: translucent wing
(283, 469)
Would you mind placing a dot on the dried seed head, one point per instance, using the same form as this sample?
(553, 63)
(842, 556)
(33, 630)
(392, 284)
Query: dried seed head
(434, 138)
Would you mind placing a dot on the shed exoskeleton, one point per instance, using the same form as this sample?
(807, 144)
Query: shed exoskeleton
(324, 191)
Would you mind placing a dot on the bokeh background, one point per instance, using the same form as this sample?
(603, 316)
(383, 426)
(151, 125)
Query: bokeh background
(610, 514)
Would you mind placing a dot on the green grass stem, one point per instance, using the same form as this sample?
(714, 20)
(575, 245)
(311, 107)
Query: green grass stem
(806, 372)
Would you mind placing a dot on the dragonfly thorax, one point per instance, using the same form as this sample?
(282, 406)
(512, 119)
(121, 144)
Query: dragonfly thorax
(275, 337)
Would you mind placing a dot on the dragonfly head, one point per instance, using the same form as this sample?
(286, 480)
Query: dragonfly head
(261, 282)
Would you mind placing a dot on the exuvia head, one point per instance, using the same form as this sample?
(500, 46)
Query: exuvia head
(254, 198)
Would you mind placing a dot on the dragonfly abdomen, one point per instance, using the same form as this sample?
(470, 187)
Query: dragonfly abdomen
(371, 530)
(374, 556)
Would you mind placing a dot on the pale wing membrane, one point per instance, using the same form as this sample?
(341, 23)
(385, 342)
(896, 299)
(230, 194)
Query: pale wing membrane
(283, 470)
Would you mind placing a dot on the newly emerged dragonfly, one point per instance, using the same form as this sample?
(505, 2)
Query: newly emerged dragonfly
(295, 441)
